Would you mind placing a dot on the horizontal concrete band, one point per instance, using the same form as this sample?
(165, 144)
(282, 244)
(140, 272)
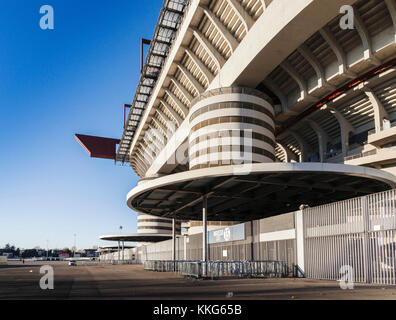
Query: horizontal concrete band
(156, 228)
(278, 235)
(234, 119)
(227, 159)
(228, 144)
(227, 105)
(234, 112)
(246, 129)
(228, 152)
(241, 98)
(168, 221)
(230, 90)
(223, 163)
(155, 225)
(234, 135)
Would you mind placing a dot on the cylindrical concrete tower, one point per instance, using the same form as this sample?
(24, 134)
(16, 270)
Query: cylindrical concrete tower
(152, 224)
(231, 126)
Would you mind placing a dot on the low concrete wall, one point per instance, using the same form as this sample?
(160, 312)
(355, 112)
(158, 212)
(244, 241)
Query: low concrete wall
(3, 261)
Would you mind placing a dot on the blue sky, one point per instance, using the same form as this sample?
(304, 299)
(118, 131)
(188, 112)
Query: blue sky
(53, 84)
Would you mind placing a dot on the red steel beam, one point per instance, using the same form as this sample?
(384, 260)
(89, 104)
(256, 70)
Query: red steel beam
(98, 147)
(367, 76)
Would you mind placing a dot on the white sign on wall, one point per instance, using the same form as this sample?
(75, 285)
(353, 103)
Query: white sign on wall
(233, 233)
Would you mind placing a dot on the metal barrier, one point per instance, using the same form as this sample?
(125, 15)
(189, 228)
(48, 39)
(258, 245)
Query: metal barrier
(119, 262)
(358, 234)
(221, 269)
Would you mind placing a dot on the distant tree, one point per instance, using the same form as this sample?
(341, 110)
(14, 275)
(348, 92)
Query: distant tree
(30, 253)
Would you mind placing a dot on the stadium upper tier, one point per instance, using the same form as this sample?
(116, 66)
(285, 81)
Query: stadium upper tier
(308, 90)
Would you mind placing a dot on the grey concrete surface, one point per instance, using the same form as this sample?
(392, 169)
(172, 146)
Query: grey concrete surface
(99, 281)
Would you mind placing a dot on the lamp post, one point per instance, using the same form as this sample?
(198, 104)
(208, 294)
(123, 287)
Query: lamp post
(74, 250)
(119, 247)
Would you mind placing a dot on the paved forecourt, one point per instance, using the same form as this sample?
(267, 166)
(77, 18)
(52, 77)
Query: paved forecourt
(103, 281)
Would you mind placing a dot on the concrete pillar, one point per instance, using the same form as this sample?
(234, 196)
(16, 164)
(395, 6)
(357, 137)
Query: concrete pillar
(118, 250)
(185, 247)
(123, 246)
(252, 243)
(232, 131)
(173, 240)
(205, 228)
(300, 242)
(381, 116)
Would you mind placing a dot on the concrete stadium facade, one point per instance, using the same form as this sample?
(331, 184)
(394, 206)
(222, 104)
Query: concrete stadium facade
(296, 60)
(152, 224)
(250, 108)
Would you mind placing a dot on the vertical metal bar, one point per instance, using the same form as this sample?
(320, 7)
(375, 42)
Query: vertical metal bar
(325, 240)
(382, 234)
(361, 236)
(335, 246)
(205, 226)
(347, 233)
(353, 238)
(252, 242)
(357, 220)
(386, 248)
(392, 226)
(332, 245)
(376, 237)
(118, 250)
(367, 248)
(379, 255)
(174, 243)
(342, 252)
(393, 257)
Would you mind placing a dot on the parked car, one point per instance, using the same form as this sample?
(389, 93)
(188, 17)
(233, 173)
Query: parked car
(72, 263)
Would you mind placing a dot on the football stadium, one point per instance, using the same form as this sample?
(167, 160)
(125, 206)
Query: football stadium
(264, 136)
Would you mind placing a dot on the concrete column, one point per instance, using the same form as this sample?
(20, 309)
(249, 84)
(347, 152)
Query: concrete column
(205, 228)
(123, 246)
(381, 116)
(231, 128)
(173, 240)
(185, 247)
(118, 250)
(300, 242)
(252, 243)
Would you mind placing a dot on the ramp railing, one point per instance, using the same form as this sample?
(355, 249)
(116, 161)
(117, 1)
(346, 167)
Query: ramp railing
(221, 269)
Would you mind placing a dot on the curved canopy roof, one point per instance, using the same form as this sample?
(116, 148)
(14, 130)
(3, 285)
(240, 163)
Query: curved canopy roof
(244, 193)
(112, 248)
(137, 237)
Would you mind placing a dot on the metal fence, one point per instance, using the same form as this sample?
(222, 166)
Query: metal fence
(120, 262)
(360, 233)
(221, 269)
